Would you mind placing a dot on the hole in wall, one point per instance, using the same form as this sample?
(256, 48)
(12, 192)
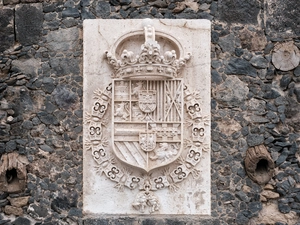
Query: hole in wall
(262, 166)
(11, 176)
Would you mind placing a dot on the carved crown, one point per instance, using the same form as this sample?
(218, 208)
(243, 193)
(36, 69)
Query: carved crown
(149, 64)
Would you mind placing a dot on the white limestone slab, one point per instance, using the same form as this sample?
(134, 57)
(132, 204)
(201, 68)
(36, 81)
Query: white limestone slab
(146, 117)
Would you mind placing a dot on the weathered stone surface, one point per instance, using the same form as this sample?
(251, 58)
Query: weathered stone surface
(239, 12)
(13, 172)
(286, 56)
(259, 62)
(281, 20)
(19, 201)
(26, 66)
(21, 221)
(8, 2)
(70, 12)
(12, 210)
(270, 194)
(63, 39)
(253, 40)
(227, 43)
(65, 66)
(237, 66)
(232, 92)
(255, 139)
(101, 32)
(6, 29)
(101, 9)
(37, 211)
(64, 97)
(259, 164)
(29, 20)
(270, 214)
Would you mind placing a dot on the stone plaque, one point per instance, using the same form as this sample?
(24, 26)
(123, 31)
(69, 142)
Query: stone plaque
(146, 117)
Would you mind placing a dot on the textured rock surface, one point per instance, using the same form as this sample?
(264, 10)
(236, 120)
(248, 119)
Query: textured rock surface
(41, 104)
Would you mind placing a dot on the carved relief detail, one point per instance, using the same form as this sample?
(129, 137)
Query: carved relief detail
(148, 113)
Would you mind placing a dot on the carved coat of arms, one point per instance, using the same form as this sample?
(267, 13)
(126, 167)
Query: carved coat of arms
(148, 103)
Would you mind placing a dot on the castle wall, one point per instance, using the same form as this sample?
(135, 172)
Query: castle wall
(255, 102)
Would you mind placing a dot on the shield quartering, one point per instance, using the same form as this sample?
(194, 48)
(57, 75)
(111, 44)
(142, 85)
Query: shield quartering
(147, 99)
(148, 123)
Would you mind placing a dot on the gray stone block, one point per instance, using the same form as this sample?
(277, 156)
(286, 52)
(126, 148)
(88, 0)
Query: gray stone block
(6, 29)
(29, 21)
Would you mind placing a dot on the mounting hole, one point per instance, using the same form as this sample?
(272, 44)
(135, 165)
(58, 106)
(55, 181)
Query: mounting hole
(11, 175)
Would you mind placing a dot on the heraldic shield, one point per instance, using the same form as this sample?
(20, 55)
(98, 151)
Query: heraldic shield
(147, 121)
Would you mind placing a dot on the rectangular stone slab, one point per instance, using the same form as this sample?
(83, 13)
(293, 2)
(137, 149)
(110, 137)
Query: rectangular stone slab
(146, 117)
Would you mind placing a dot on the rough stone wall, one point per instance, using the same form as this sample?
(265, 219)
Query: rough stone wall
(253, 103)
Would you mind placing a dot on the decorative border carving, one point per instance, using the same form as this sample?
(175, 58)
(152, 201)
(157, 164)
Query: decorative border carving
(147, 184)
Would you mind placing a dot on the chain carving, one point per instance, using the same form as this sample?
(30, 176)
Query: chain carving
(147, 184)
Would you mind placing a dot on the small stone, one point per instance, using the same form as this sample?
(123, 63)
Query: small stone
(297, 93)
(232, 92)
(297, 71)
(28, 21)
(241, 219)
(21, 221)
(255, 139)
(242, 196)
(216, 77)
(227, 43)
(18, 202)
(204, 6)
(159, 3)
(259, 62)
(258, 119)
(284, 81)
(12, 210)
(47, 118)
(75, 212)
(70, 12)
(270, 194)
(237, 66)
(6, 29)
(46, 148)
(102, 9)
(214, 37)
(271, 94)
(282, 158)
(125, 2)
(37, 211)
(64, 97)
(3, 202)
(284, 208)
(255, 206)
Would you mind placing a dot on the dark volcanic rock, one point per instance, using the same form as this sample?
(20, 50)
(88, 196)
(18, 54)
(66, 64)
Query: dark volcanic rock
(6, 29)
(281, 20)
(21, 221)
(102, 9)
(64, 97)
(29, 21)
(259, 62)
(242, 11)
(255, 139)
(239, 66)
